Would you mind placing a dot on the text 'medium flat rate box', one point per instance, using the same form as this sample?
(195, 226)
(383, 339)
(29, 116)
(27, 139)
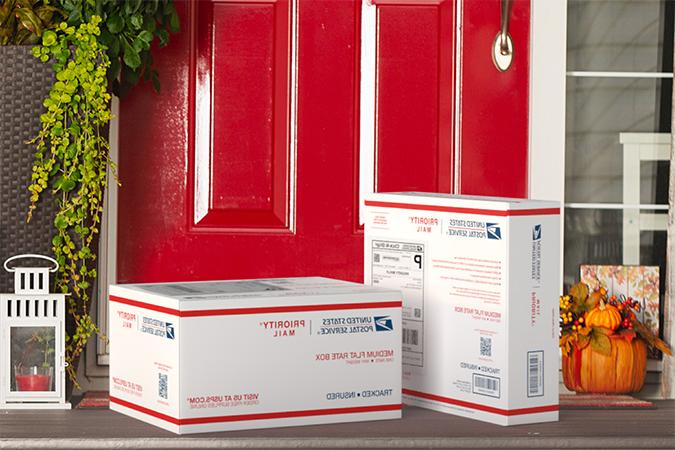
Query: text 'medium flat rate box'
(231, 355)
(480, 278)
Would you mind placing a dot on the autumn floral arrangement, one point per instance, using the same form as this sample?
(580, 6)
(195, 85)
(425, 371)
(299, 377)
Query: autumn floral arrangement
(603, 342)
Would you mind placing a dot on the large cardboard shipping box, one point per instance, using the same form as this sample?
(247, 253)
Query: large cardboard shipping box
(480, 279)
(230, 355)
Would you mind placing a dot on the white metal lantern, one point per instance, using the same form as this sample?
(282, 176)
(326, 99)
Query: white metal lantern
(32, 327)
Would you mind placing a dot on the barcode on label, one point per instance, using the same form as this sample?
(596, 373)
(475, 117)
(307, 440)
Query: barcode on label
(485, 385)
(163, 386)
(535, 374)
(485, 346)
(376, 257)
(410, 337)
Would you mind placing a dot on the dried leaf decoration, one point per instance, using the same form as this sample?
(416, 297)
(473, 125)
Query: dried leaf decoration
(653, 340)
(579, 292)
(600, 342)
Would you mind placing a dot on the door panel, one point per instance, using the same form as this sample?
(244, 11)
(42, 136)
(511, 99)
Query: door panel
(414, 96)
(494, 107)
(240, 165)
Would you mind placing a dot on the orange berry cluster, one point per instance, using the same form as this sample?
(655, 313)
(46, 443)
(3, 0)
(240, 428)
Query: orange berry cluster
(626, 307)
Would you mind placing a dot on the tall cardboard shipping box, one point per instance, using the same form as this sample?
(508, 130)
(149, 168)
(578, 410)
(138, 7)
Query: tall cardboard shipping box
(480, 278)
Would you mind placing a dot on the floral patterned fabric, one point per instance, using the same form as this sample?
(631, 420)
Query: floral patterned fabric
(638, 282)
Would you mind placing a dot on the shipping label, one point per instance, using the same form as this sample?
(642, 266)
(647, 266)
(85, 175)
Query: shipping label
(400, 265)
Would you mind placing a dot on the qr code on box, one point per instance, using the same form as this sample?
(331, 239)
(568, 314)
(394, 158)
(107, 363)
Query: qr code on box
(163, 386)
(485, 346)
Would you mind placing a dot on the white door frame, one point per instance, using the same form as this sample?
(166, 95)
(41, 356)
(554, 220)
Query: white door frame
(548, 65)
(548, 61)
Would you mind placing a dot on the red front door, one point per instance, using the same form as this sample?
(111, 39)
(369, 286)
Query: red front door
(247, 164)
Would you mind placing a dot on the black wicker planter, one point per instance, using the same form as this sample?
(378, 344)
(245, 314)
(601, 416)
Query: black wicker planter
(24, 84)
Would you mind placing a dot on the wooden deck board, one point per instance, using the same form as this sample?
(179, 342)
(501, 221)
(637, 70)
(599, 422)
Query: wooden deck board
(653, 428)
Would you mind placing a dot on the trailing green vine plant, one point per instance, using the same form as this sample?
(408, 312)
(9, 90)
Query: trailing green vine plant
(128, 29)
(72, 160)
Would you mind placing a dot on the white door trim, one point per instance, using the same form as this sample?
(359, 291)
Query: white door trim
(548, 60)
(369, 95)
(367, 102)
(107, 264)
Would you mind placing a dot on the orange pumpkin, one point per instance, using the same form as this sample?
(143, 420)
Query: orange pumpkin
(604, 315)
(621, 372)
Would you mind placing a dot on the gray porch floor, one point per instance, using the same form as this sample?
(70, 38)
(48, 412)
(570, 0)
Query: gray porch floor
(103, 429)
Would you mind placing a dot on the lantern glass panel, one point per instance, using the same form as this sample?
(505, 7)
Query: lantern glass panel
(32, 358)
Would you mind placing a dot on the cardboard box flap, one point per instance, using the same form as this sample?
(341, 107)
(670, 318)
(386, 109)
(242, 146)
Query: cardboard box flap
(187, 296)
(459, 201)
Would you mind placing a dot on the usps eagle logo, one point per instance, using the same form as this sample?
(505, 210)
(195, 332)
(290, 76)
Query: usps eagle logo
(536, 233)
(383, 323)
(493, 230)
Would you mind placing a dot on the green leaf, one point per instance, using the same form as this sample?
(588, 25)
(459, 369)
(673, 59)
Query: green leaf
(67, 185)
(106, 38)
(75, 16)
(603, 330)
(149, 23)
(174, 22)
(169, 7)
(114, 70)
(115, 23)
(131, 6)
(131, 57)
(163, 36)
(140, 45)
(114, 48)
(55, 169)
(601, 344)
(131, 76)
(136, 21)
(151, 6)
(155, 81)
(57, 240)
(48, 38)
(145, 36)
(61, 224)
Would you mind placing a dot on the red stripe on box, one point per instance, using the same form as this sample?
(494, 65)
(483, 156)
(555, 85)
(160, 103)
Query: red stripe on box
(162, 309)
(479, 407)
(258, 416)
(144, 410)
(258, 310)
(489, 212)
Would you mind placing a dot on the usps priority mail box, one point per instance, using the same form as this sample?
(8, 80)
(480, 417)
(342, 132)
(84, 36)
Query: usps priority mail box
(230, 355)
(480, 279)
